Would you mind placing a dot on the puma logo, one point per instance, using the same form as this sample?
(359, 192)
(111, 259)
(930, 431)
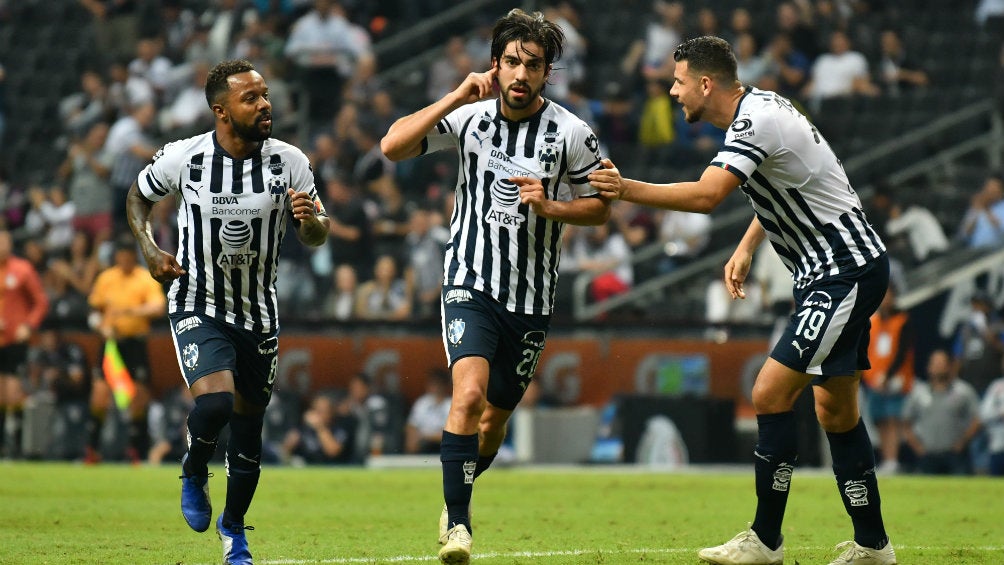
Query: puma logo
(799, 348)
(476, 135)
(192, 188)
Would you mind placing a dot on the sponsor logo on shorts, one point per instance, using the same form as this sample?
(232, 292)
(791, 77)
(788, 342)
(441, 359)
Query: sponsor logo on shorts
(458, 295)
(190, 356)
(535, 339)
(856, 493)
(269, 347)
(818, 299)
(455, 331)
(187, 324)
(801, 350)
(782, 477)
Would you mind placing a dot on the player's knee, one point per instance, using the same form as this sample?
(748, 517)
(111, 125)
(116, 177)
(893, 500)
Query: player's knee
(836, 418)
(469, 402)
(216, 408)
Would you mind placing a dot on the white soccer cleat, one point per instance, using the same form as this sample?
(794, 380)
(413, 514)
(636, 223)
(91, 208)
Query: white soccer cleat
(457, 550)
(444, 523)
(744, 549)
(855, 554)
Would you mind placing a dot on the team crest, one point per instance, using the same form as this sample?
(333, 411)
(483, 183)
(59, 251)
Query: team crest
(547, 157)
(277, 188)
(455, 331)
(190, 356)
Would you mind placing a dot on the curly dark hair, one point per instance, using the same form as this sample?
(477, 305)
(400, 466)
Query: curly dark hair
(708, 55)
(216, 82)
(518, 25)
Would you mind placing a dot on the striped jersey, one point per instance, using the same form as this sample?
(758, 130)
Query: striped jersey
(798, 189)
(497, 244)
(231, 220)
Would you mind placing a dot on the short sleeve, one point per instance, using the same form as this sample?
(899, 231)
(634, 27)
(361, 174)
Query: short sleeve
(446, 133)
(583, 155)
(302, 179)
(748, 142)
(160, 177)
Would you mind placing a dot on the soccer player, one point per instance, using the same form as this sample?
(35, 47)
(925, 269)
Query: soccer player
(805, 206)
(524, 162)
(238, 189)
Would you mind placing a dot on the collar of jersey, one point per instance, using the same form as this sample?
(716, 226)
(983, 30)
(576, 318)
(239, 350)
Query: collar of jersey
(746, 91)
(498, 110)
(219, 149)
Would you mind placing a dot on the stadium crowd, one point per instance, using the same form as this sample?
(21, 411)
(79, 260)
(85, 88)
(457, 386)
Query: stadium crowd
(383, 261)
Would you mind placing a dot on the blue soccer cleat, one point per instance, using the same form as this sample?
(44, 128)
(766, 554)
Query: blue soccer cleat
(195, 504)
(235, 543)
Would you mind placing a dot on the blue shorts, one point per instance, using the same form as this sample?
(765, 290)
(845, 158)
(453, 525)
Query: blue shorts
(827, 334)
(206, 345)
(885, 406)
(475, 324)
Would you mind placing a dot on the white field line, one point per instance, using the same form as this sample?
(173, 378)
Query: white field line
(573, 552)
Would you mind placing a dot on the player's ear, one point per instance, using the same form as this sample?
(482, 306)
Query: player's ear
(220, 112)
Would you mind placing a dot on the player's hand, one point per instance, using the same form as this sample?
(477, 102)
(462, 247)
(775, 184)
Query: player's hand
(607, 180)
(302, 205)
(477, 86)
(531, 193)
(163, 266)
(736, 271)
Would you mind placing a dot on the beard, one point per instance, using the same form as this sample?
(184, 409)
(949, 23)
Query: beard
(528, 98)
(253, 132)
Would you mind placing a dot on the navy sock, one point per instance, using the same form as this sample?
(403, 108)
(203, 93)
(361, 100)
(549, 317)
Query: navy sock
(854, 468)
(484, 461)
(212, 411)
(459, 455)
(243, 466)
(776, 454)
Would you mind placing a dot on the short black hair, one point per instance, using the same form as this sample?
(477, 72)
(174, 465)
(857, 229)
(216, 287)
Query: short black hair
(518, 25)
(708, 55)
(216, 82)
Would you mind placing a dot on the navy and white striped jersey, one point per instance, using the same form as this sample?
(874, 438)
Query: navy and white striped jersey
(497, 244)
(798, 189)
(231, 218)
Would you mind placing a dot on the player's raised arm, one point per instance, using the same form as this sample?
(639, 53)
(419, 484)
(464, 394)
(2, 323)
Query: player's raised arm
(163, 266)
(404, 138)
(700, 196)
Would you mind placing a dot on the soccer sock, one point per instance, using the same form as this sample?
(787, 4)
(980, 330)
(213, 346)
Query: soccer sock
(854, 468)
(95, 425)
(776, 454)
(212, 411)
(243, 466)
(139, 435)
(484, 461)
(459, 455)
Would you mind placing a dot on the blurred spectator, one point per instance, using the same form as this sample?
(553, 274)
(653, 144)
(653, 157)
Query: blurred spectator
(839, 72)
(178, 23)
(890, 378)
(941, 417)
(50, 219)
(449, 70)
(325, 158)
(325, 434)
(983, 223)
(349, 227)
(897, 72)
(695, 140)
(425, 253)
(324, 46)
(788, 68)
(922, 231)
(187, 113)
(116, 25)
(794, 19)
(127, 91)
(169, 425)
(979, 343)
(3, 103)
(427, 418)
(683, 235)
(707, 23)
(652, 57)
(655, 123)
(77, 272)
(61, 366)
(125, 299)
(740, 23)
(86, 171)
(224, 22)
(372, 412)
(637, 224)
(130, 148)
(22, 309)
(150, 65)
(81, 110)
(992, 416)
(340, 303)
(389, 218)
(572, 68)
(604, 255)
(385, 297)
(751, 66)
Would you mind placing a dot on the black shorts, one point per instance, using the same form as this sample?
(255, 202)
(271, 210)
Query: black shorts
(206, 345)
(475, 324)
(13, 359)
(135, 357)
(827, 334)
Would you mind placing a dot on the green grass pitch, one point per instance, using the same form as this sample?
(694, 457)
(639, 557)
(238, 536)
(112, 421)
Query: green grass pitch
(110, 514)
